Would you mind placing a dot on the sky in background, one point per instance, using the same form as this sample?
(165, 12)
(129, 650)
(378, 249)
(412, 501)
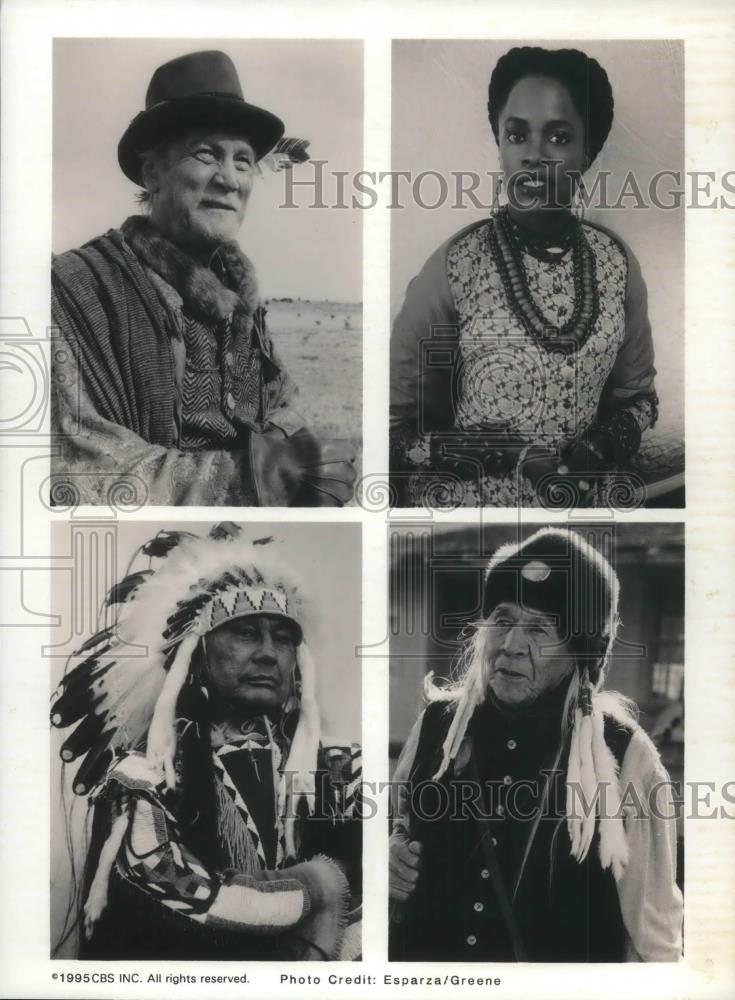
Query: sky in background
(315, 86)
(445, 129)
(325, 558)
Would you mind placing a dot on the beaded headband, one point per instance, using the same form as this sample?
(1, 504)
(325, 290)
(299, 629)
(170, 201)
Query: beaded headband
(159, 616)
(244, 601)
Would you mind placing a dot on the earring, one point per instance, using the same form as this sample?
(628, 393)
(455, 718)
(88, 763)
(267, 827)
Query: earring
(579, 201)
(495, 209)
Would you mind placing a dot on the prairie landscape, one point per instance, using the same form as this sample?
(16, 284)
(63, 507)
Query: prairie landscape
(321, 346)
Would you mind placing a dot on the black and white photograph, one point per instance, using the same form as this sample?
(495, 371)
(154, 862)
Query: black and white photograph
(366, 453)
(537, 274)
(537, 743)
(208, 322)
(206, 777)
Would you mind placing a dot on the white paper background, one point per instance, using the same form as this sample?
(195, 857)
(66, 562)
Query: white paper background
(709, 32)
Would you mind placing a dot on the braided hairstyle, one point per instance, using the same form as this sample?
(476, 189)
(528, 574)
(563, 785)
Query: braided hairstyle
(584, 78)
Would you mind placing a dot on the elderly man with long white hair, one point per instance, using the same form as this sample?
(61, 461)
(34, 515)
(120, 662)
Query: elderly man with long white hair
(534, 819)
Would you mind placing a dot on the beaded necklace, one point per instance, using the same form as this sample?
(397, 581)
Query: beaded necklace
(572, 334)
(545, 248)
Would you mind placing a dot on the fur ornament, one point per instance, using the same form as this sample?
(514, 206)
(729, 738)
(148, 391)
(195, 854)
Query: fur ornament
(229, 285)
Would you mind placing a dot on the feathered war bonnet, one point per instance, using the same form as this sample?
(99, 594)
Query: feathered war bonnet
(559, 573)
(124, 691)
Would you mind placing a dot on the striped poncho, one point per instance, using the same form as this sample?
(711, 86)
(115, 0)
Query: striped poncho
(163, 369)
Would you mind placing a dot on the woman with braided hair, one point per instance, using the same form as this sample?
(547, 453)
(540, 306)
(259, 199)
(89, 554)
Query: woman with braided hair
(544, 314)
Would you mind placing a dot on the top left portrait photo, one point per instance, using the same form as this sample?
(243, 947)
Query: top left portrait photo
(205, 299)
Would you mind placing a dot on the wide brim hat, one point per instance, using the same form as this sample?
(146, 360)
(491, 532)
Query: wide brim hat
(198, 89)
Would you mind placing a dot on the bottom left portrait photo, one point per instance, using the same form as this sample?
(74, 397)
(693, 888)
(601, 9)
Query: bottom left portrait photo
(205, 752)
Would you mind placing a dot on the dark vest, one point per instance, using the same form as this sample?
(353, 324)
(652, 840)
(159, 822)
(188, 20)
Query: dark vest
(565, 911)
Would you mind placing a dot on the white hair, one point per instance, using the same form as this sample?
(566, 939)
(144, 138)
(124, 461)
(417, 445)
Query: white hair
(469, 663)
(468, 677)
(153, 154)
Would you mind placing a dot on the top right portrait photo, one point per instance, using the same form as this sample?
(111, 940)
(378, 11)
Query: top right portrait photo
(537, 274)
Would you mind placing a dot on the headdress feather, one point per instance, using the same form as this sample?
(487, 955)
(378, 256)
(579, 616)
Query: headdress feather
(160, 613)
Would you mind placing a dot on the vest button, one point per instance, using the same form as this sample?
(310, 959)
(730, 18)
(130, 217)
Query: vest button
(511, 744)
(478, 907)
(507, 779)
(485, 873)
(229, 359)
(494, 843)
(500, 811)
(230, 402)
(471, 940)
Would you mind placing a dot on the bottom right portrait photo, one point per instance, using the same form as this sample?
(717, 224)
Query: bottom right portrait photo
(537, 742)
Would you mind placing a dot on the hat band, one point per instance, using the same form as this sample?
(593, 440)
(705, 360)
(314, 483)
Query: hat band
(219, 94)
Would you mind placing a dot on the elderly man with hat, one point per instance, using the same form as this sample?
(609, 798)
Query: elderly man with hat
(224, 827)
(534, 820)
(164, 372)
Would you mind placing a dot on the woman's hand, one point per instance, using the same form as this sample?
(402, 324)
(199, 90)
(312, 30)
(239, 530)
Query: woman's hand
(553, 477)
(588, 454)
(538, 463)
(587, 459)
(541, 468)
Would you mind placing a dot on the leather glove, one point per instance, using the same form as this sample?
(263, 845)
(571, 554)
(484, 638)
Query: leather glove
(301, 470)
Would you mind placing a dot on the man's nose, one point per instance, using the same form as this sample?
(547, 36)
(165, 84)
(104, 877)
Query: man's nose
(267, 649)
(227, 175)
(515, 642)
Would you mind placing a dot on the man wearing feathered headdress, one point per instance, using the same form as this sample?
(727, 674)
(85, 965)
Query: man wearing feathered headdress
(534, 818)
(222, 827)
(164, 371)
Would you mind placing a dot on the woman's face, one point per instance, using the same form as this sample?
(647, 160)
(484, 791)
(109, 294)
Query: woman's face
(541, 142)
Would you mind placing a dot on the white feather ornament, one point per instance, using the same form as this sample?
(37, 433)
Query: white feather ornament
(297, 782)
(613, 842)
(161, 743)
(588, 784)
(574, 819)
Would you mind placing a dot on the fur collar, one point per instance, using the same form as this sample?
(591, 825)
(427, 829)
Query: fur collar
(229, 285)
